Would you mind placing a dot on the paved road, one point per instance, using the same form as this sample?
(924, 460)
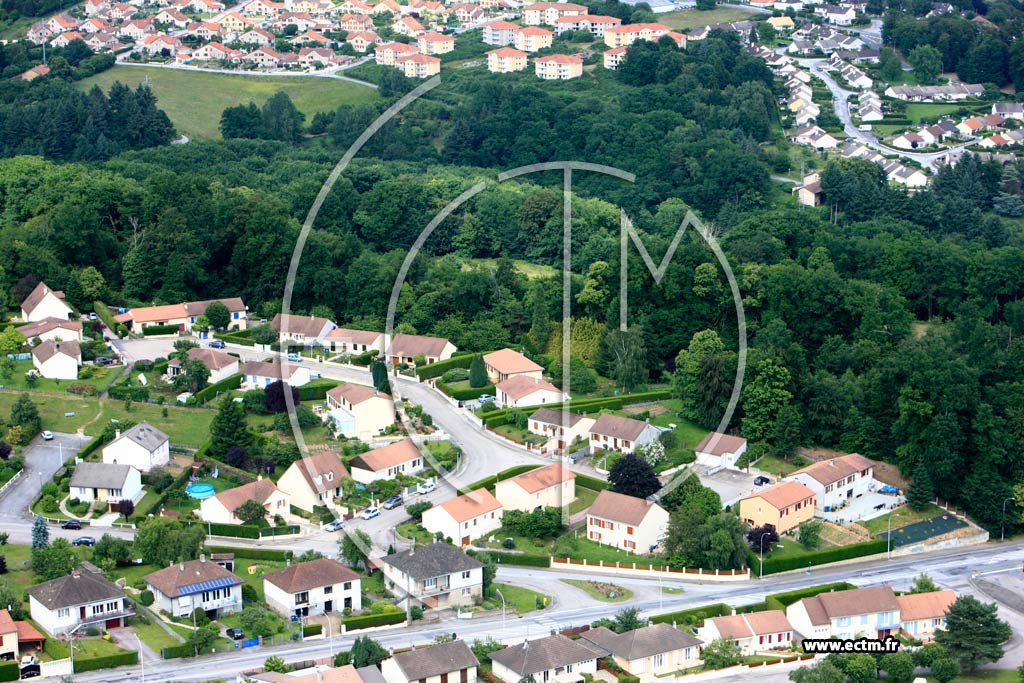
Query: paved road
(42, 460)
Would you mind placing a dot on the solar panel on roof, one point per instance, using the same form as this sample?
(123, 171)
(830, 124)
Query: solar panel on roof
(202, 586)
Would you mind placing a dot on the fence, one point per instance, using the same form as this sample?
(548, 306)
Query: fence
(635, 569)
(16, 477)
(741, 670)
(59, 667)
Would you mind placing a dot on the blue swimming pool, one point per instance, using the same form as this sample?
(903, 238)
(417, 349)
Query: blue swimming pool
(200, 491)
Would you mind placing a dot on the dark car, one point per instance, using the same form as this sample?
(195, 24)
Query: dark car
(392, 502)
(84, 540)
(761, 481)
(30, 671)
(103, 360)
(71, 524)
(217, 344)
(234, 633)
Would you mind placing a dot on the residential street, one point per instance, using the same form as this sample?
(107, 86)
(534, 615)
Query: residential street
(42, 460)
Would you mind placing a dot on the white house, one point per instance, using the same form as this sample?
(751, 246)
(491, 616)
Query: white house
(43, 303)
(632, 524)
(837, 480)
(84, 597)
(304, 330)
(547, 660)
(343, 340)
(506, 363)
(751, 633)
(359, 411)
(221, 365)
(649, 652)
(623, 434)
(436, 575)
(99, 482)
(143, 447)
(53, 329)
(387, 462)
(521, 391)
(261, 374)
(186, 586)
(922, 614)
(313, 481)
(314, 587)
(552, 485)
(871, 612)
(561, 429)
(57, 360)
(406, 347)
(465, 518)
(222, 508)
(450, 662)
(720, 450)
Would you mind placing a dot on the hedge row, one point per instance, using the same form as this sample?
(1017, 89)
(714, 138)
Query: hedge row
(773, 565)
(210, 392)
(178, 483)
(252, 553)
(152, 330)
(107, 316)
(784, 600)
(364, 358)
(588, 405)
(121, 392)
(312, 630)
(442, 366)
(694, 615)
(489, 482)
(234, 338)
(10, 671)
(55, 649)
(233, 530)
(278, 530)
(371, 620)
(316, 390)
(467, 394)
(593, 483)
(515, 559)
(175, 651)
(88, 449)
(106, 662)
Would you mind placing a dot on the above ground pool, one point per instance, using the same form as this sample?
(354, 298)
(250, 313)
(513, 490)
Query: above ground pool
(200, 490)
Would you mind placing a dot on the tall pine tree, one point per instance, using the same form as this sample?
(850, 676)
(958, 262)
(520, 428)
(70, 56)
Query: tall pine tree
(40, 532)
(920, 492)
(229, 428)
(477, 372)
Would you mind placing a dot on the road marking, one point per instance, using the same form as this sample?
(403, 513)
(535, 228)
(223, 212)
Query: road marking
(547, 622)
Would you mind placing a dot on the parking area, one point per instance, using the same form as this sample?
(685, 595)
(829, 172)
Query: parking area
(42, 459)
(868, 506)
(731, 485)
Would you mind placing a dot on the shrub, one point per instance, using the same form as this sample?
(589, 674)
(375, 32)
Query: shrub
(825, 556)
(146, 598)
(416, 612)
(211, 392)
(10, 671)
(128, 658)
(371, 620)
(151, 330)
(693, 615)
(81, 389)
(781, 601)
(439, 368)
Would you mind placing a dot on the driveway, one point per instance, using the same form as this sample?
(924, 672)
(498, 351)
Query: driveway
(42, 460)
(731, 485)
(862, 508)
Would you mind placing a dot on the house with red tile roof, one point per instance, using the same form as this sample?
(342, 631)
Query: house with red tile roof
(752, 632)
(465, 518)
(632, 524)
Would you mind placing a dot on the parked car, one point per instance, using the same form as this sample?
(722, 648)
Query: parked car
(234, 633)
(28, 660)
(484, 398)
(336, 525)
(92, 316)
(392, 502)
(103, 360)
(370, 513)
(426, 487)
(71, 524)
(31, 671)
(128, 563)
(762, 480)
(294, 357)
(217, 344)
(84, 540)
(47, 435)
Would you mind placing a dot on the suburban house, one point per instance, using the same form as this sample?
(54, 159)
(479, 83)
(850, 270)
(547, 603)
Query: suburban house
(406, 347)
(387, 462)
(197, 584)
(16, 635)
(450, 662)
(359, 411)
(506, 363)
(921, 614)
(547, 660)
(43, 303)
(552, 485)
(837, 480)
(521, 390)
(720, 450)
(751, 633)
(859, 613)
(633, 524)
(100, 482)
(783, 507)
(466, 518)
(649, 652)
(388, 53)
(52, 329)
(627, 34)
(314, 587)
(303, 330)
(184, 315)
(623, 434)
(435, 575)
(549, 423)
(222, 507)
(434, 43)
(57, 360)
(313, 481)
(550, 12)
(220, 364)
(143, 447)
(84, 597)
(343, 340)
(258, 374)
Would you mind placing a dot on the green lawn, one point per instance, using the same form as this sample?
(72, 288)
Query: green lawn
(585, 549)
(584, 499)
(778, 467)
(530, 270)
(199, 117)
(153, 635)
(605, 459)
(414, 530)
(96, 647)
(17, 379)
(600, 590)
(520, 434)
(931, 111)
(693, 18)
(517, 598)
(900, 517)
(994, 676)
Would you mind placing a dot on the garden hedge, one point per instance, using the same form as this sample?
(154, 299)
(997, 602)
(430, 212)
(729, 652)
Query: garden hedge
(774, 565)
(175, 651)
(587, 405)
(91, 447)
(594, 484)
(316, 390)
(442, 366)
(210, 392)
(467, 394)
(312, 630)
(694, 615)
(121, 392)
(489, 482)
(371, 620)
(106, 662)
(784, 600)
(10, 671)
(55, 649)
(364, 358)
(515, 559)
(278, 530)
(251, 553)
(233, 530)
(152, 330)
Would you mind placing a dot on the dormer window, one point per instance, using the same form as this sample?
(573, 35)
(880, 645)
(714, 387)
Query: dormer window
(330, 476)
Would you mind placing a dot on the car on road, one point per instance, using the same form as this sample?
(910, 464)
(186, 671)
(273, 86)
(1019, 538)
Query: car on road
(392, 502)
(426, 487)
(71, 524)
(234, 633)
(336, 525)
(370, 513)
(84, 540)
(217, 344)
(294, 357)
(761, 481)
(47, 435)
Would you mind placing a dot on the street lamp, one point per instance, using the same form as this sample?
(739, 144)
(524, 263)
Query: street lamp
(330, 636)
(142, 661)
(1002, 523)
(888, 539)
(498, 591)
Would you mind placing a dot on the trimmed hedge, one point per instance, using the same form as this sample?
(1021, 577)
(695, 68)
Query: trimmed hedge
(515, 559)
(234, 338)
(594, 484)
(466, 394)
(121, 392)
(312, 630)
(55, 649)
(175, 651)
(233, 530)
(586, 405)
(773, 565)
(91, 447)
(694, 615)
(152, 330)
(442, 366)
(371, 620)
(364, 358)
(107, 662)
(784, 600)
(279, 530)
(489, 482)
(316, 390)
(10, 671)
(210, 392)
(251, 553)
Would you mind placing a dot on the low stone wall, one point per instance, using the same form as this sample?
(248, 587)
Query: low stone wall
(645, 570)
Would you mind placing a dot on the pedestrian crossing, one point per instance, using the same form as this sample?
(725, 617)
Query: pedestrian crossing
(546, 623)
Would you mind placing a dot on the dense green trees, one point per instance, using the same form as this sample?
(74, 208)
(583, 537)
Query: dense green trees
(974, 634)
(277, 119)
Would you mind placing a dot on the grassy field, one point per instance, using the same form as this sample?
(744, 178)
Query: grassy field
(778, 467)
(517, 598)
(600, 590)
(584, 499)
(153, 635)
(199, 117)
(585, 549)
(693, 18)
(17, 379)
(932, 112)
(900, 517)
(530, 270)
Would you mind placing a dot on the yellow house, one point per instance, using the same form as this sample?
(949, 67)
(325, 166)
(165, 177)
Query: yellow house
(921, 614)
(617, 36)
(506, 60)
(559, 67)
(783, 506)
(533, 38)
(388, 53)
(465, 518)
(313, 481)
(233, 23)
(222, 508)
(553, 486)
(359, 411)
(648, 652)
(782, 23)
(419, 66)
(434, 43)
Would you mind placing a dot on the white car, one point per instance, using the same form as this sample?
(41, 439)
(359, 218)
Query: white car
(426, 487)
(29, 660)
(47, 435)
(370, 513)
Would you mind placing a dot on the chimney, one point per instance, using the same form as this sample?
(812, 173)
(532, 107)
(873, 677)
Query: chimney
(287, 562)
(181, 567)
(832, 462)
(75, 574)
(202, 557)
(117, 433)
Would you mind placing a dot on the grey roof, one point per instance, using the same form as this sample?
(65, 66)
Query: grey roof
(535, 656)
(435, 660)
(100, 475)
(370, 674)
(549, 416)
(146, 435)
(429, 561)
(641, 642)
(79, 588)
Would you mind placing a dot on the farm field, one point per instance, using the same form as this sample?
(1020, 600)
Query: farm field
(693, 18)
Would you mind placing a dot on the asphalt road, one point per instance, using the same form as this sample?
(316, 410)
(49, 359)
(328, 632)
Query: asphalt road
(42, 460)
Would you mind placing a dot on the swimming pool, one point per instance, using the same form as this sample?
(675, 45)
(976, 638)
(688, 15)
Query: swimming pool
(200, 491)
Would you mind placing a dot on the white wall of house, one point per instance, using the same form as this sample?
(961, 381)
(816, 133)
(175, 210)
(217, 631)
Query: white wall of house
(409, 467)
(534, 398)
(548, 676)
(128, 452)
(599, 442)
(130, 490)
(212, 510)
(650, 668)
(438, 520)
(636, 539)
(59, 621)
(315, 600)
(49, 307)
(222, 599)
(58, 366)
(832, 495)
(514, 497)
(459, 588)
(727, 460)
(393, 674)
(302, 496)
